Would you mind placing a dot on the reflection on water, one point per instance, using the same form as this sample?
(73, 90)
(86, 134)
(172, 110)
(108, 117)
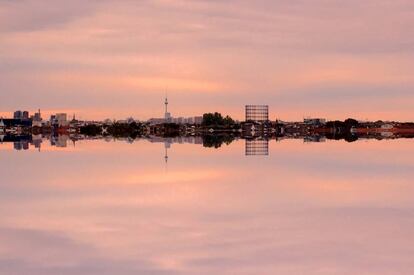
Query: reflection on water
(109, 206)
(257, 147)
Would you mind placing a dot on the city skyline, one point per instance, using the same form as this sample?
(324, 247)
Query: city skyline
(115, 59)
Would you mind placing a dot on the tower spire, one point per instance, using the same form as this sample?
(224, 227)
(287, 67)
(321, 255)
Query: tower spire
(166, 103)
(167, 115)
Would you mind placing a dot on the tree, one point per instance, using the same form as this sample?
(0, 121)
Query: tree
(350, 122)
(228, 121)
(216, 119)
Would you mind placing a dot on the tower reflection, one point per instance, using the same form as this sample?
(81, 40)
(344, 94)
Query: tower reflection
(257, 147)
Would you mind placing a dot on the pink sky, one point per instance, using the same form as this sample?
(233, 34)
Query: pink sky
(308, 208)
(114, 59)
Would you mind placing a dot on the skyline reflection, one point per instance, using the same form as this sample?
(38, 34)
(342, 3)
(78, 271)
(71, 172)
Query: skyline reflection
(254, 145)
(99, 208)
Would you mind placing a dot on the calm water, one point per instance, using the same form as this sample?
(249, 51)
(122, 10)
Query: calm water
(119, 208)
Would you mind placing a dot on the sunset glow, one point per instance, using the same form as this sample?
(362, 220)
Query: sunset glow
(118, 58)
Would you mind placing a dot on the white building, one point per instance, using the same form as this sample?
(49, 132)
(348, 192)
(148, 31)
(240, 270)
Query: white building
(61, 119)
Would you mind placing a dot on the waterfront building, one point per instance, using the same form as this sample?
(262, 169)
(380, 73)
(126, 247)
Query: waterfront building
(179, 120)
(18, 115)
(61, 119)
(2, 127)
(21, 115)
(190, 120)
(257, 113)
(11, 122)
(198, 120)
(37, 116)
(108, 121)
(74, 121)
(314, 121)
(37, 119)
(130, 120)
(155, 121)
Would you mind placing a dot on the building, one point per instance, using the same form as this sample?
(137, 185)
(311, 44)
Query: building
(10, 123)
(18, 115)
(108, 121)
(179, 120)
(2, 127)
(314, 121)
(37, 119)
(21, 115)
(257, 113)
(62, 119)
(198, 120)
(131, 120)
(37, 116)
(155, 121)
(167, 116)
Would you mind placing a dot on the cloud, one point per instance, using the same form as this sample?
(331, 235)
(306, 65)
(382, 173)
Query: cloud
(203, 52)
(39, 252)
(29, 15)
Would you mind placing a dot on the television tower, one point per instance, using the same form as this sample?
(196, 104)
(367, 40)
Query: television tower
(167, 115)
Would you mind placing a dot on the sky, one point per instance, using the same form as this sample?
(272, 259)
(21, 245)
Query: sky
(116, 59)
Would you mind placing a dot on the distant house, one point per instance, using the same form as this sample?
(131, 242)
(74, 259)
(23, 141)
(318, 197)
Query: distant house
(11, 122)
(387, 126)
(198, 120)
(155, 121)
(60, 120)
(314, 121)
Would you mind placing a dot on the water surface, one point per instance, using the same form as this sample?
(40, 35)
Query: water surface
(124, 208)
